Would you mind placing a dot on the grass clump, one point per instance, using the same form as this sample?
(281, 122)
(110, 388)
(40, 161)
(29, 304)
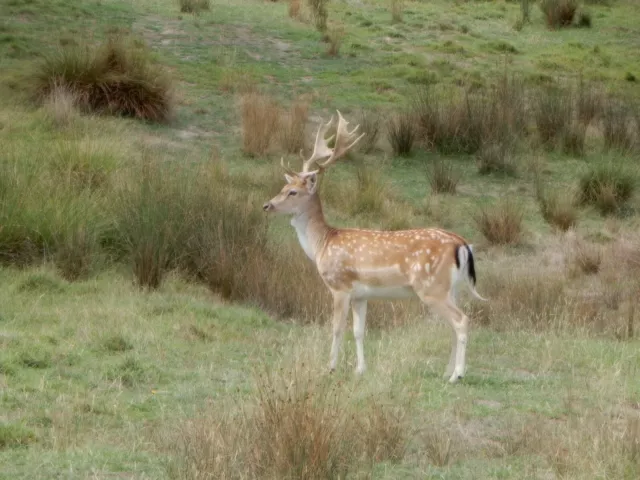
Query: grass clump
(608, 187)
(616, 123)
(401, 132)
(115, 78)
(559, 13)
(319, 13)
(557, 209)
(497, 157)
(553, 111)
(370, 121)
(260, 121)
(292, 127)
(501, 224)
(13, 435)
(194, 6)
(442, 177)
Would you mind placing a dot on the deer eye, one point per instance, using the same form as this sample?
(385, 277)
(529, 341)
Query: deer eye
(292, 193)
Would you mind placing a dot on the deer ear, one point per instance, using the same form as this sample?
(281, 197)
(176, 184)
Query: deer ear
(312, 182)
(288, 178)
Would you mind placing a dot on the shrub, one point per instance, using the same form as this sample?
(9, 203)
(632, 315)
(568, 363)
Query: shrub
(608, 187)
(260, 121)
(557, 209)
(194, 6)
(319, 13)
(501, 224)
(116, 78)
(616, 122)
(553, 112)
(294, 8)
(334, 38)
(401, 132)
(497, 157)
(370, 122)
(396, 10)
(559, 13)
(442, 177)
(573, 138)
(292, 127)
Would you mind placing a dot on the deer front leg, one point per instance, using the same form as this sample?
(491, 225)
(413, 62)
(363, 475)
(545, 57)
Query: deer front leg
(359, 310)
(340, 311)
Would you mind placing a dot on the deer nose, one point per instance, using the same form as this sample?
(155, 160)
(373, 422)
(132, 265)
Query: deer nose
(267, 206)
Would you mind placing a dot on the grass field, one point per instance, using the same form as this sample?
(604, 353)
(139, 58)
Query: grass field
(131, 343)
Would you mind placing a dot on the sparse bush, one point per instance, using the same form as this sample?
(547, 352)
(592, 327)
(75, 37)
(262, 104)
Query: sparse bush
(497, 157)
(194, 6)
(553, 112)
(442, 177)
(401, 131)
(294, 8)
(260, 121)
(370, 122)
(292, 127)
(608, 187)
(584, 20)
(559, 13)
(616, 126)
(334, 38)
(557, 209)
(584, 258)
(397, 7)
(318, 434)
(117, 78)
(501, 224)
(319, 13)
(60, 106)
(573, 139)
(588, 103)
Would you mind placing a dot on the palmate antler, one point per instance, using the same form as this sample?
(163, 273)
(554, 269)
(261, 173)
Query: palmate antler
(344, 142)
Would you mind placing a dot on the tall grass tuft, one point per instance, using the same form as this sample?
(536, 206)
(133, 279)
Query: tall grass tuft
(194, 6)
(116, 78)
(606, 186)
(442, 177)
(401, 132)
(557, 209)
(370, 121)
(260, 122)
(292, 128)
(559, 13)
(501, 224)
(553, 111)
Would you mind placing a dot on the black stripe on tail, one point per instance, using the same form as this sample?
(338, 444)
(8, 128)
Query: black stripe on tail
(471, 266)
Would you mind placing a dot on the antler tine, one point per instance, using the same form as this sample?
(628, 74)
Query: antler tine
(320, 149)
(344, 141)
(286, 168)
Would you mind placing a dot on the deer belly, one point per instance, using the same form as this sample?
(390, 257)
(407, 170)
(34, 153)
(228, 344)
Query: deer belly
(364, 291)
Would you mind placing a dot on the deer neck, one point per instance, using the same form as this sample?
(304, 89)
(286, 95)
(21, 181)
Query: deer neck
(311, 227)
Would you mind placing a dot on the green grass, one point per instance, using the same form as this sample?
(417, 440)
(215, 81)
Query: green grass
(100, 378)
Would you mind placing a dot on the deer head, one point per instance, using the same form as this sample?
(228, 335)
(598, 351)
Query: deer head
(301, 186)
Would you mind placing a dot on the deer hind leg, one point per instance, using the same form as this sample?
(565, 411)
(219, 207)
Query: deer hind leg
(359, 309)
(340, 311)
(460, 324)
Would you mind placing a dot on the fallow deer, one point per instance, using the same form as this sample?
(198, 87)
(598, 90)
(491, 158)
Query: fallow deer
(358, 265)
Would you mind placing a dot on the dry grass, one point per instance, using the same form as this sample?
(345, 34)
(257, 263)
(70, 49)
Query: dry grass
(442, 177)
(607, 186)
(584, 258)
(117, 78)
(294, 8)
(293, 125)
(334, 37)
(501, 224)
(319, 13)
(194, 6)
(553, 112)
(557, 209)
(296, 426)
(260, 121)
(397, 8)
(559, 13)
(616, 126)
(497, 157)
(61, 106)
(370, 122)
(401, 132)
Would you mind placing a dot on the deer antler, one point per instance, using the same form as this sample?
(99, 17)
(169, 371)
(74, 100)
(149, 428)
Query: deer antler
(344, 142)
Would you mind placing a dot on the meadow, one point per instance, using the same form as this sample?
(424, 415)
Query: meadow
(154, 323)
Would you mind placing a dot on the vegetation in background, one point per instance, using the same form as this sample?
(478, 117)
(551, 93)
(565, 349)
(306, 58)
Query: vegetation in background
(115, 78)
